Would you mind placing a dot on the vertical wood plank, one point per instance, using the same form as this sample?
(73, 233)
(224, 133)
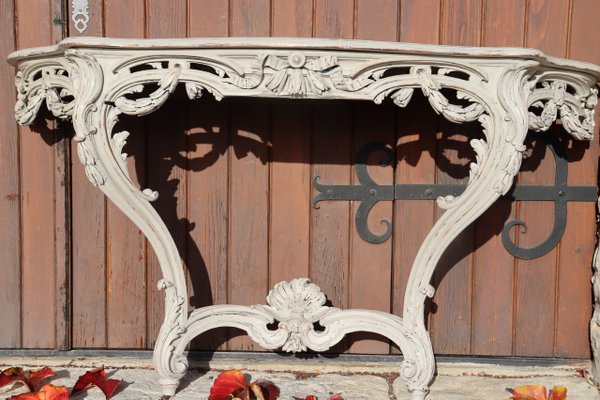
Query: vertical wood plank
(461, 26)
(37, 185)
(415, 153)
(547, 27)
(292, 18)
(574, 305)
(10, 246)
(208, 197)
(330, 228)
(503, 25)
(249, 211)
(332, 157)
(249, 180)
(377, 19)
(371, 264)
(208, 18)
(250, 17)
(166, 141)
(208, 184)
(290, 192)
(334, 19)
(420, 21)
(126, 245)
(95, 23)
(88, 212)
(62, 206)
(290, 163)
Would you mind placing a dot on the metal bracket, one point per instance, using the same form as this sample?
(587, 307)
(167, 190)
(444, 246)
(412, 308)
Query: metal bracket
(368, 193)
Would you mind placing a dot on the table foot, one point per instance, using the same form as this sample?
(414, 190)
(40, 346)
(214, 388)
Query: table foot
(168, 387)
(419, 394)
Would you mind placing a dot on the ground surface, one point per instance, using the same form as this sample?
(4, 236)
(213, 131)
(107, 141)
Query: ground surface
(354, 380)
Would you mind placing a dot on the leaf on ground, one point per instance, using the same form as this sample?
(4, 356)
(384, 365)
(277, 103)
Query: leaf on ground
(264, 388)
(229, 384)
(558, 393)
(47, 392)
(529, 392)
(31, 378)
(313, 397)
(96, 377)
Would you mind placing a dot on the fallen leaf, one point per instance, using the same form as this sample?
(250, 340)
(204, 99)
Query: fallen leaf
(47, 392)
(96, 378)
(558, 393)
(30, 378)
(335, 397)
(529, 392)
(228, 384)
(267, 389)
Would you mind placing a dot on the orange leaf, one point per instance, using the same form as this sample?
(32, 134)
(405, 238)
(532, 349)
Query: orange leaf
(96, 378)
(48, 392)
(31, 378)
(228, 384)
(530, 392)
(558, 393)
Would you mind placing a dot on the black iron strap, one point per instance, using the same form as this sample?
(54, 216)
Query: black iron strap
(368, 193)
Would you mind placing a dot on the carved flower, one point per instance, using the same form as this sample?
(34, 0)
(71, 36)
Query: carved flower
(298, 75)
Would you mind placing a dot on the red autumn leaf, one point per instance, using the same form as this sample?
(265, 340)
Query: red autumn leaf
(228, 384)
(96, 378)
(48, 392)
(267, 389)
(558, 393)
(31, 378)
(335, 397)
(529, 392)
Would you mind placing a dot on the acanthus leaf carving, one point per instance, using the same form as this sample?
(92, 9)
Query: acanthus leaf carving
(154, 101)
(90, 164)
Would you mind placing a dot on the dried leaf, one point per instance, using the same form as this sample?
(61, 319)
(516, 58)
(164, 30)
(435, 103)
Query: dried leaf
(228, 384)
(558, 393)
(268, 389)
(31, 378)
(529, 392)
(335, 397)
(48, 392)
(96, 378)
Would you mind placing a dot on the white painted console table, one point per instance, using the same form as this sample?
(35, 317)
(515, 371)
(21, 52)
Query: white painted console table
(508, 91)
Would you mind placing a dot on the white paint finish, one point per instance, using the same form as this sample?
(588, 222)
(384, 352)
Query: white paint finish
(507, 91)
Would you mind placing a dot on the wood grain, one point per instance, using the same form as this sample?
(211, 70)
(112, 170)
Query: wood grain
(292, 18)
(208, 152)
(415, 153)
(38, 277)
(250, 18)
(492, 325)
(461, 26)
(10, 246)
(371, 264)
(574, 304)
(535, 316)
(89, 234)
(248, 209)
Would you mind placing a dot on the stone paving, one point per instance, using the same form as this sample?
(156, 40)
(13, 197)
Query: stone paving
(354, 380)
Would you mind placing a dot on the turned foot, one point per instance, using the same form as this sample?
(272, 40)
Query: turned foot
(168, 386)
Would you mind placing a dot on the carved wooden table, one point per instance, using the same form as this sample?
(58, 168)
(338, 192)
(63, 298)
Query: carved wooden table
(508, 91)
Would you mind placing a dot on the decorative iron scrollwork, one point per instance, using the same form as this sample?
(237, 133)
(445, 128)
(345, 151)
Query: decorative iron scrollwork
(368, 193)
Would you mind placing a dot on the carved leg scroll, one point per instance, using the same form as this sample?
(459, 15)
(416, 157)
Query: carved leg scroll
(103, 168)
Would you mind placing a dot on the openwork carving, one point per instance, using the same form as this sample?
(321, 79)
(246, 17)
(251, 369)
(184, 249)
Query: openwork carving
(93, 81)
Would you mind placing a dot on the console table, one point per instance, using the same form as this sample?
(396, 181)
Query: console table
(508, 91)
